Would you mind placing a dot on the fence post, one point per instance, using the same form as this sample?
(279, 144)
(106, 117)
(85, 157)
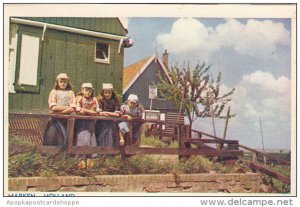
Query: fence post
(180, 140)
(130, 132)
(254, 157)
(70, 133)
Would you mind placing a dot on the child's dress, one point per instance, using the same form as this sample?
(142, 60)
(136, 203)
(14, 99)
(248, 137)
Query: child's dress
(56, 129)
(85, 129)
(107, 131)
(135, 112)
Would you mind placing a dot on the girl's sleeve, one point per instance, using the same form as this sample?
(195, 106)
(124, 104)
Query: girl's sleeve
(73, 100)
(96, 105)
(78, 104)
(100, 107)
(141, 111)
(52, 101)
(123, 109)
(117, 107)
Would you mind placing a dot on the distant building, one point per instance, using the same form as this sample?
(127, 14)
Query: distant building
(142, 76)
(87, 49)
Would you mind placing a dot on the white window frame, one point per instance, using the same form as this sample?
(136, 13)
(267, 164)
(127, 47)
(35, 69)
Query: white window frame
(12, 58)
(107, 59)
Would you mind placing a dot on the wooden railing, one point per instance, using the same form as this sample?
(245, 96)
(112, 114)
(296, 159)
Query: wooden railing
(255, 153)
(18, 124)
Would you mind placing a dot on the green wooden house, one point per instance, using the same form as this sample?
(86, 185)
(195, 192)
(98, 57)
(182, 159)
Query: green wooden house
(87, 49)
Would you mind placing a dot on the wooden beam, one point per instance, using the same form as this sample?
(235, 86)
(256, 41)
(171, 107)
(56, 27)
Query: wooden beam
(94, 150)
(270, 157)
(269, 172)
(70, 133)
(188, 152)
(13, 150)
(212, 141)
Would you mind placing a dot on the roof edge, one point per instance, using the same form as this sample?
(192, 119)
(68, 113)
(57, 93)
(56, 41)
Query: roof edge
(144, 68)
(138, 74)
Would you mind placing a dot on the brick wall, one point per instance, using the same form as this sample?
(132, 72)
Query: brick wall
(207, 182)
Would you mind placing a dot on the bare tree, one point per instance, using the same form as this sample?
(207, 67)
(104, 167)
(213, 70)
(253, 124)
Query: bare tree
(195, 92)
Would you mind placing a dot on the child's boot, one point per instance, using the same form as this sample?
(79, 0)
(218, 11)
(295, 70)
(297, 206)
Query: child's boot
(89, 163)
(82, 164)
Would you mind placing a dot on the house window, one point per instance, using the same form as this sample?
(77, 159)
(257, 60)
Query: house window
(28, 62)
(152, 92)
(102, 52)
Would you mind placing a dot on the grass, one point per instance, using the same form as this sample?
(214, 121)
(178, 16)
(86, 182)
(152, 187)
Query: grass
(152, 141)
(15, 140)
(156, 142)
(33, 164)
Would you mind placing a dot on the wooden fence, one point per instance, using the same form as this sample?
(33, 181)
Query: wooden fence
(31, 127)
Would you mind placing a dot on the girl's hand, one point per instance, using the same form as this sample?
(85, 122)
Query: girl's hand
(82, 111)
(103, 113)
(127, 117)
(68, 110)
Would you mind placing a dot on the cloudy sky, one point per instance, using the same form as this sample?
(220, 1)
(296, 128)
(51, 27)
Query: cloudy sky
(252, 54)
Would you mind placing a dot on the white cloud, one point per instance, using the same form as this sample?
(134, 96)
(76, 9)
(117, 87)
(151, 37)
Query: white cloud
(255, 38)
(258, 95)
(268, 82)
(261, 95)
(268, 94)
(186, 34)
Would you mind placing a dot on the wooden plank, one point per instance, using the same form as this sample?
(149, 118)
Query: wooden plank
(60, 54)
(70, 132)
(92, 25)
(208, 135)
(52, 20)
(80, 22)
(99, 24)
(270, 157)
(17, 115)
(108, 23)
(118, 67)
(86, 23)
(71, 60)
(269, 172)
(38, 101)
(15, 101)
(187, 152)
(70, 21)
(26, 101)
(47, 20)
(212, 141)
(91, 67)
(43, 103)
(59, 20)
(284, 162)
(81, 57)
(94, 150)
(75, 22)
(64, 21)
(49, 72)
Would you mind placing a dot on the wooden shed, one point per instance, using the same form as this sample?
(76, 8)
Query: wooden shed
(87, 49)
